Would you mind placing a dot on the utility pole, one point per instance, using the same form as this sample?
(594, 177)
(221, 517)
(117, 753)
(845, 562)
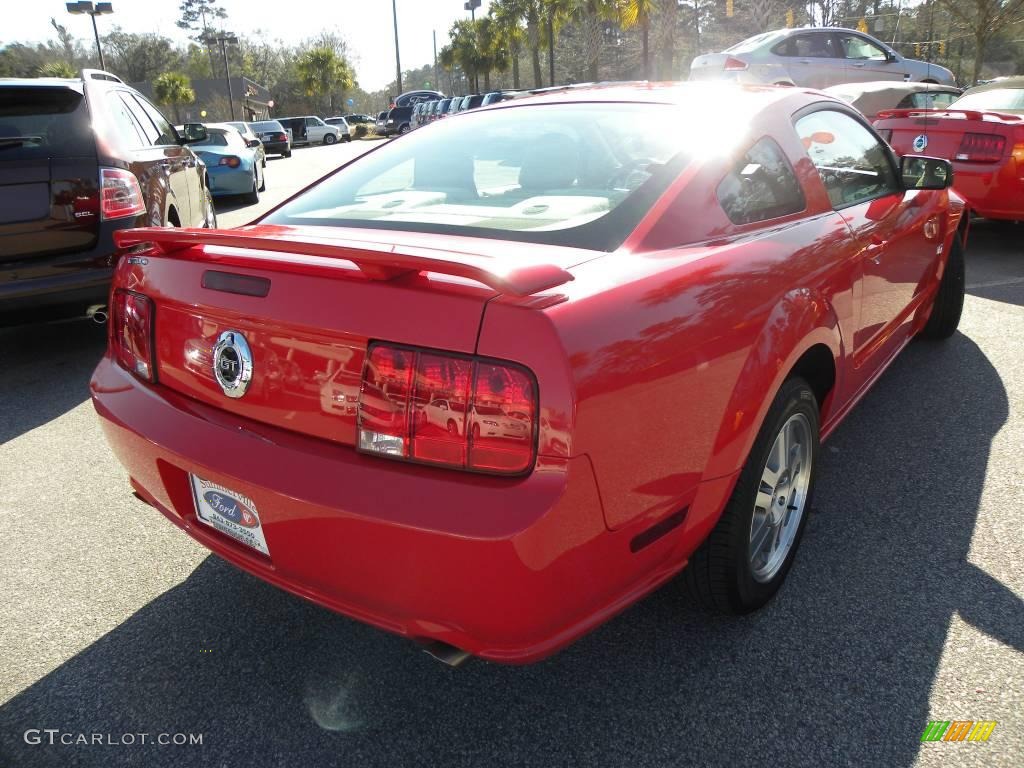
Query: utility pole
(224, 39)
(398, 62)
(437, 77)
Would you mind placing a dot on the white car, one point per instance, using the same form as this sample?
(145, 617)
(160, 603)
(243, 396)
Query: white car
(310, 129)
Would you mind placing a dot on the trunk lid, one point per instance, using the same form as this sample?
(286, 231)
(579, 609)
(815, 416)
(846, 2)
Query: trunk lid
(309, 301)
(943, 131)
(49, 185)
(708, 66)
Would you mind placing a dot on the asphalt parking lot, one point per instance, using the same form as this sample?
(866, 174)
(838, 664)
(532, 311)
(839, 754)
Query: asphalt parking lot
(904, 605)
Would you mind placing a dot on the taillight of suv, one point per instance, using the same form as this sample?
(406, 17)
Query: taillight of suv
(120, 194)
(131, 333)
(429, 407)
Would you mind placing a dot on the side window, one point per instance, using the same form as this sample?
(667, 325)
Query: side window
(165, 133)
(123, 123)
(860, 48)
(142, 121)
(819, 45)
(854, 166)
(761, 186)
(312, 122)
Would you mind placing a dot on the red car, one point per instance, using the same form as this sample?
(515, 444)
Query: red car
(580, 357)
(982, 133)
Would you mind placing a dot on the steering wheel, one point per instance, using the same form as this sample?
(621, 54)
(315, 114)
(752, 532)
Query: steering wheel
(622, 176)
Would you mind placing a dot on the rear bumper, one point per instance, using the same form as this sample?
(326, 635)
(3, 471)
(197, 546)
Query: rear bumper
(278, 148)
(230, 181)
(508, 569)
(993, 193)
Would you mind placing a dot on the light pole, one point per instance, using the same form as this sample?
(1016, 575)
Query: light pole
(471, 6)
(224, 39)
(100, 9)
(398, 62)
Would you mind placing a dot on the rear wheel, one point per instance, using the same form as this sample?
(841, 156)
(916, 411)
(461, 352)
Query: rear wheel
(330, 138)
(287, 153)
(254, 195)
(746, 557)
(453, 428)
(263, 181)
(949, 301)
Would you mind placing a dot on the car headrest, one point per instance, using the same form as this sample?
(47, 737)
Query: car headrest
(449, 172)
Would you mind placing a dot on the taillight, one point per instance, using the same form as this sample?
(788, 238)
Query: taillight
(131, 333)
(120, 194)
(449, 410)
(281, 137)
(732, 64)
(230, 161)
(981, 147)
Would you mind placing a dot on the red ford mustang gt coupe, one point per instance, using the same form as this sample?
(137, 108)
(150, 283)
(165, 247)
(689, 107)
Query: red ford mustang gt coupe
(982, 133)
(491, 383)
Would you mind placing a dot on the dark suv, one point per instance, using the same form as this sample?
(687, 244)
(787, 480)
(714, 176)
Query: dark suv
(80, 159)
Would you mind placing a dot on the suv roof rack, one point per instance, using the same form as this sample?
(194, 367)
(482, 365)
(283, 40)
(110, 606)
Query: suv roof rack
(99, 74)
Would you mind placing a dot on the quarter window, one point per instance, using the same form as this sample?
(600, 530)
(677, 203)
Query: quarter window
(761, 186)
(854, 165)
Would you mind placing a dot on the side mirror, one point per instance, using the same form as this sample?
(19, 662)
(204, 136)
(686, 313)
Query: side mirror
(253, 143)
(193, 132)
(926, 172)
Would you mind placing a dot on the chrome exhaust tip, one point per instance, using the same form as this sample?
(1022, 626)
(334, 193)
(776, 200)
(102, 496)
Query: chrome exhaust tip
(445, 653)
(97, 313)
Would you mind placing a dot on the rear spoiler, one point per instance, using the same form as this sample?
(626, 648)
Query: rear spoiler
(376, 261)
(965, 114)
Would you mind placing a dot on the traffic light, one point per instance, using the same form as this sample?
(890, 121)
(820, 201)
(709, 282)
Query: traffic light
(862, 26)
(917, 50)
(789, 19)
(942, 47)
(728, 8)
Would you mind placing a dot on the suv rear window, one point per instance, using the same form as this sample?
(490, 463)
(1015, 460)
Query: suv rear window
(44, 122)
(567, 174)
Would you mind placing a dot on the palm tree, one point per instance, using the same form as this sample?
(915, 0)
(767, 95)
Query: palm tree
(174, 89)
(638, 12)
(509, 32)
(57, 69)
(589, 14)
(322, 72)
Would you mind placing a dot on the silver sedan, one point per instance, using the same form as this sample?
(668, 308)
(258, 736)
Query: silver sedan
(815, 58)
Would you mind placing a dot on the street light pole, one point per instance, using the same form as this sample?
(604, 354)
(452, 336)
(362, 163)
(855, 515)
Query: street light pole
(398, 61)
(225, 39)
(100, 9)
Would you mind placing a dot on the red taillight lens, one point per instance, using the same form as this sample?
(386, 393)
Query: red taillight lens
(230, 161)
(733, 64)
(131, 333)
(981, 148)
(120, 194)
(450, 410)
(281, 137)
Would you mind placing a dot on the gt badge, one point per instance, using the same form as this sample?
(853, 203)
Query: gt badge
(232, 363)
(920, 143)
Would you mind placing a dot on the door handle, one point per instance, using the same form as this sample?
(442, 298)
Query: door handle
(876, 248)
(803, 61)
(860, 66)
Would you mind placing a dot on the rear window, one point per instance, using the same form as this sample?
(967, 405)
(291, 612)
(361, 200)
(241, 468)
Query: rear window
(268, 125)
(998, 98)
(38, 123)
(214, 138)
(753, 42)
(568, 174)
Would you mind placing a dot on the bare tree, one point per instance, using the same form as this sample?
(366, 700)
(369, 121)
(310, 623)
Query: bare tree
(983, 19)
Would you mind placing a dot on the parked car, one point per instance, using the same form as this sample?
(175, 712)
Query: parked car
(982, 135)
(472, 101)
(310, 129)
(871, 98)
(342, 125)
(455, 105)
(382, 123)
(233, 166)
(360, 119)
(399, 121)
(80, 159)
(251, 140)
(677, 318)
(815, 58)
(495, 97)
(277, 140)
(442, 108)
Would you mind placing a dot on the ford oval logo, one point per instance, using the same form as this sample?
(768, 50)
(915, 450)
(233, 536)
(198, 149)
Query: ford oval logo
(231, 509)
(920, 143)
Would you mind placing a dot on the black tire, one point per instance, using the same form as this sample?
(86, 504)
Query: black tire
(949, 301)
(403, 130)
(330, 138)
(209, 212)
(720, 575)
(253, 196)
(453, 428)
(347, 138)
(263, 181)
(287, 154)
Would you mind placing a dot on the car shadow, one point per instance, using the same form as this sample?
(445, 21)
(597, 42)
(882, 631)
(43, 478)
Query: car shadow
(995, 261)
(231, 203)
(837, 670)
(45, 372)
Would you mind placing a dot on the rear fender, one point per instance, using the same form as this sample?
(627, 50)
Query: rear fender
(801, 319)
